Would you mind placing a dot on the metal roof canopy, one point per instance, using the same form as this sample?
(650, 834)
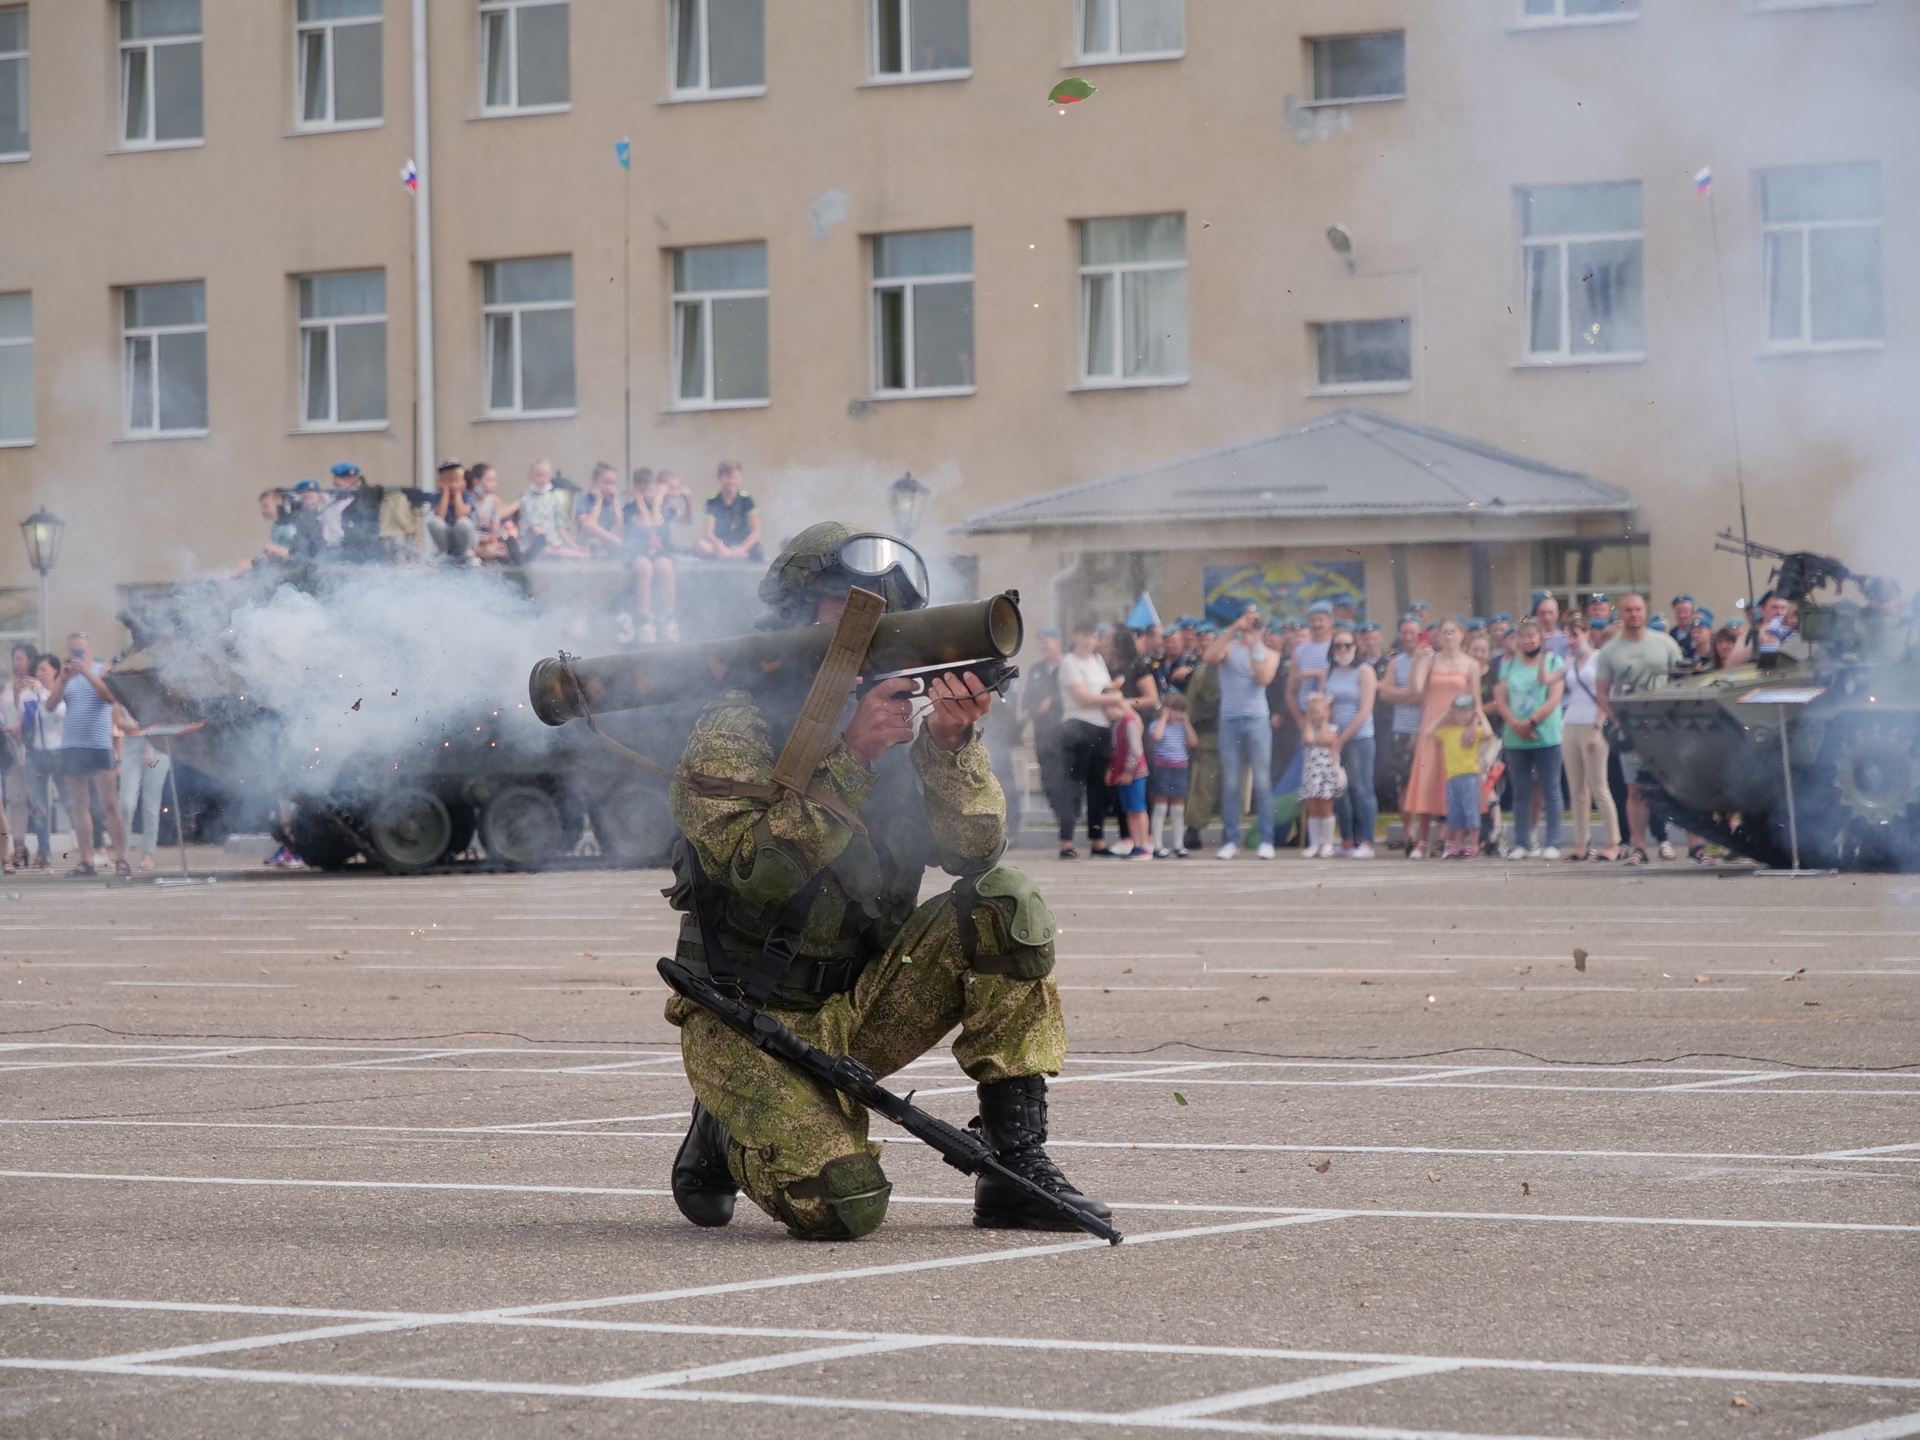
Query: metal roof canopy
(1354, 466)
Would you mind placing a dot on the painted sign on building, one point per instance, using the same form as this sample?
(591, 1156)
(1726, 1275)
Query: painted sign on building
(1284, 588)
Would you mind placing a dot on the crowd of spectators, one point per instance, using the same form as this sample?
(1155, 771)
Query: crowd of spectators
(1484, 735)
(65, 742)
(464, 521)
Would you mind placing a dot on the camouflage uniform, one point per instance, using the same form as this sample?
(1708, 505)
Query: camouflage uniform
(802, 1153)
(1203, 709)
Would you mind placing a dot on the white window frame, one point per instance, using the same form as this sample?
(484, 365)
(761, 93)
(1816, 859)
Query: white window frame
(304, 28)
(1116, 56)
(703, 299)
(908, 75)
(25, 343)
(1566, 354)
(1119, 379)
(127, 47)
(517, 309)
(1323, 387)
(1806, 344)
(705, 90)
(151, 334)
(511, 9)
(909, 284)
(26, 77)
(1561, 20)
(1340, 101)
(331, 324)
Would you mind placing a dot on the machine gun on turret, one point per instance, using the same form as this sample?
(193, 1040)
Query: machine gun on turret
(1799, 573)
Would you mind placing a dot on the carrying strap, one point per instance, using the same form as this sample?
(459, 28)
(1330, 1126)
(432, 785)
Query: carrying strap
(813, 731)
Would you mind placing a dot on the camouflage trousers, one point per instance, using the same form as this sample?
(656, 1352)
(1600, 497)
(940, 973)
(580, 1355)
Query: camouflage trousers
(786, 1129)
(1203, 790)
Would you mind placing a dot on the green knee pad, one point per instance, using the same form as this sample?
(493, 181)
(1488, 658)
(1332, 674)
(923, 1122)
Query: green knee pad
(1021, 942)
(854, 1188)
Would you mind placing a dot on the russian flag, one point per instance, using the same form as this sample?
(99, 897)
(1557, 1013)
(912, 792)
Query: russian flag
(410, 177)
(1703, 181)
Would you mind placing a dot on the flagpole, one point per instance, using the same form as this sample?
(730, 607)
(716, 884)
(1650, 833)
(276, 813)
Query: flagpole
(1726, 360)
(626, 302)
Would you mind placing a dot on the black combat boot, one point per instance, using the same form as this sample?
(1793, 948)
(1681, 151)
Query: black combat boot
(703, 1187)
(1013, 1120)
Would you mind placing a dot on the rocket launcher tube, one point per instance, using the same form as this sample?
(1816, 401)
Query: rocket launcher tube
(980, 635)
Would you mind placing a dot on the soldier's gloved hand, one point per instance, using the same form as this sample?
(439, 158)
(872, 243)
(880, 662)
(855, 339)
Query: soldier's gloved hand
(958, 701)
(883, 719)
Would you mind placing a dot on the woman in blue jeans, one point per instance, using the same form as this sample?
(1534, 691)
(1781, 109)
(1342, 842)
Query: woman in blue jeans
(1527, 697)
(1350, 686)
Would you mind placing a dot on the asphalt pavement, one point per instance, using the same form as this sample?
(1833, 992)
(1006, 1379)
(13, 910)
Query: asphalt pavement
(1400, 1149)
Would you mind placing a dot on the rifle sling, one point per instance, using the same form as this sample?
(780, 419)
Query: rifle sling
(813, 730)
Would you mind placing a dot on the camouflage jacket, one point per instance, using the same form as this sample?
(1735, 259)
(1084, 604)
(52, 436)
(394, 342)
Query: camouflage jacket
(920, 806)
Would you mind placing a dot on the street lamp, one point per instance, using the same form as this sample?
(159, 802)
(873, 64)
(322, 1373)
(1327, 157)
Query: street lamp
(908, 497)
(41, 530)
(1340, 241)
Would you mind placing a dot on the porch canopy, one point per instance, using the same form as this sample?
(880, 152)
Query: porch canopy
(1354, 476)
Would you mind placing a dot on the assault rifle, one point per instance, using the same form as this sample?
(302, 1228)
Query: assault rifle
(966, 1152)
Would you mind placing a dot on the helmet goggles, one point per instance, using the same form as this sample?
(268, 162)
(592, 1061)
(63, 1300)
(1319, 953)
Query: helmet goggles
(884, 564)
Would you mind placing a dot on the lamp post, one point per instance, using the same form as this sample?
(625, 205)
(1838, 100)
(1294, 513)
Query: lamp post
(908, 497)
(41, 530)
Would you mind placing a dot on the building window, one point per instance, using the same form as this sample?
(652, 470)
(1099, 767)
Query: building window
(343, 350)
(13, 84)
(165, 328)
(923, 312)
(16, 369)
(919, 39)
(720, 325)
(337, 50)
(1356, 356)
(1821, 225)
(1584, 287)
(1133, 300)
(719, 48)
(1132, 29)
(160, 73)
(1360, 67)
(1577, 12)
(528, 310)
(523, 56)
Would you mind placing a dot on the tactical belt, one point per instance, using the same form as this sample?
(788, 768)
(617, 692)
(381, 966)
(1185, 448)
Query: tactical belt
(779, 952)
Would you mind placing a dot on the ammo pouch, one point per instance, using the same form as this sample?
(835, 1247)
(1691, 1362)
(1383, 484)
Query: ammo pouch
(769, 969)
(1017, 936)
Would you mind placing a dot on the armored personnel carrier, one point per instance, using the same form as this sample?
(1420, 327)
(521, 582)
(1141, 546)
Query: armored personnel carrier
(453, 772)
(1847, 689)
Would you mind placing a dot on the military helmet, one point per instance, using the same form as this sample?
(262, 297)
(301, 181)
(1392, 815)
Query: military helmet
(826, 560)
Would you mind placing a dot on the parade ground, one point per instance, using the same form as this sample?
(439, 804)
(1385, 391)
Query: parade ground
(296, 1154)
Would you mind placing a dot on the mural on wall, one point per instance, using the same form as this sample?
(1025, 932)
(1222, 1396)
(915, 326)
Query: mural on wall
(1284, 588)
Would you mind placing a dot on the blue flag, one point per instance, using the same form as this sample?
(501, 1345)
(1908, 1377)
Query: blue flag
(1143, 614)
(623, 152)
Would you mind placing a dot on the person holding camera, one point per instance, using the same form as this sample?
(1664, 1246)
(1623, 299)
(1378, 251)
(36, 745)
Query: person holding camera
(1246, 668)
(86, 752)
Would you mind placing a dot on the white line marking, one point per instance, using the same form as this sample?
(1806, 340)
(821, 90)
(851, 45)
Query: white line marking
(1723, 1084)
(640, 1385)
(1894, 1427)
(201, 984)
(1875, 1152)
(1292, 1390)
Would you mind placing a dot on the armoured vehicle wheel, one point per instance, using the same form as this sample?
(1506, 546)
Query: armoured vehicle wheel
(634, 826)
(411, 831)
(319, 839)
(522, 827)
(1876, 771)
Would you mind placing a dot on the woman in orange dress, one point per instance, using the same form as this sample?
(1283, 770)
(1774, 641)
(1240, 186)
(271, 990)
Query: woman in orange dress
(1448, 672)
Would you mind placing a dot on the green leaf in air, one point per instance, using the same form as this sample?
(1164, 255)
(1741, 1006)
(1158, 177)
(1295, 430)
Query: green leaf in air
(1070, 91)
(1179, 1098)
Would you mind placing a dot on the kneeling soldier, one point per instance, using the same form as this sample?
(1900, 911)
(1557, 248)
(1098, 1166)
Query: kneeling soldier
(831, 878)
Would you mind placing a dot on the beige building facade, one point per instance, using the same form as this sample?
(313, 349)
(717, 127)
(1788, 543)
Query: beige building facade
(857, 240)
